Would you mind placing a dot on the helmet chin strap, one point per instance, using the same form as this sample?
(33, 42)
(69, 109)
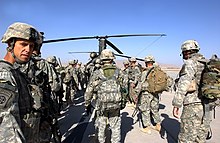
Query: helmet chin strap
(11, 50)
(16, 59)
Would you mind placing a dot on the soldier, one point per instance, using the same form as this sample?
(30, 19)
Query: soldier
(81, 75)
(71, 81)
(19, 121)
(59, 93)
(126, 67)
(91, 64)
(194, 124)
(97, 66)
(125, 71)
(133, 78)
(44, 84)
(47, 79)
(107, 82)
(148, 102)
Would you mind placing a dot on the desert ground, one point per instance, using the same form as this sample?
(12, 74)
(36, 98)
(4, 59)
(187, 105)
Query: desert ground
(76, 127)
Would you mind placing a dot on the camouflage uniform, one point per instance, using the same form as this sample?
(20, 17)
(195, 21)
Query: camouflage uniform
(194, 125)
(97, 66)
(91, 64)
(133, 78)
(107, 113)
(53, 63)
(89, 70)
(126, 68)
(148, 102)
(125, 72)
(10, 120)
(19, 121)
(81, 75)
(71, 82)
(49, 86)
(44, 85)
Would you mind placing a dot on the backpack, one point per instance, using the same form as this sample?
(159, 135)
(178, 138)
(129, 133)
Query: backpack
(157, 80)
(109, 95)
(210, 87)
(210, 79)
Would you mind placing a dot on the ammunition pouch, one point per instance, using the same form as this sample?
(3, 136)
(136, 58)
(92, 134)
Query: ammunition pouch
(192, 86)
(31, 124)
(37, 94)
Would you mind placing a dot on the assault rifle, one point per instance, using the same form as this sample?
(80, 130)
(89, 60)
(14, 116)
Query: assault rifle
(137, 111)
(74, 84)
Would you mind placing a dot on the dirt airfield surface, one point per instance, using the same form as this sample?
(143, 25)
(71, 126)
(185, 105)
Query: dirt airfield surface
(76, 127)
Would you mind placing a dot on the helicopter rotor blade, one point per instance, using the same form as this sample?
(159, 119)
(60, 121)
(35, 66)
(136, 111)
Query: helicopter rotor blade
(128, 57)
(98, 37)
(79, 52)
(133, 35)
(69, 39)
(113, 46)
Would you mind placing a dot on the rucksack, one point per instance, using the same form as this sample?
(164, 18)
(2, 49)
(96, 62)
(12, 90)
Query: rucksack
(157, 80)
(210, 87)
(210, 79)
(109, 95)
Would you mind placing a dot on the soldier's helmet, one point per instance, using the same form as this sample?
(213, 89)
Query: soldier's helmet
(80, 63)
(73, 62)
(107, 54)
(23, 31)
(52, 60)
(149, 58)
(98, 62)
(190, 45)
(126, 63)
(93, 55)
(132, 59)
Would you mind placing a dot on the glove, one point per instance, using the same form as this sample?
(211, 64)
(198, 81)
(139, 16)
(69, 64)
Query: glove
(89, 109)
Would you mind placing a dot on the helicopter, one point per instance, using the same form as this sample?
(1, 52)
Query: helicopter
(103, 42)
(96, 53)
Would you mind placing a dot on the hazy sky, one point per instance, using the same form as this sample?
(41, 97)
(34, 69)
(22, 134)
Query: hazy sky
(180, 20)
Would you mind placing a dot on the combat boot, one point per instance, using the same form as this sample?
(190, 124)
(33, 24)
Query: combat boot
(157, 127)
(146, 130)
